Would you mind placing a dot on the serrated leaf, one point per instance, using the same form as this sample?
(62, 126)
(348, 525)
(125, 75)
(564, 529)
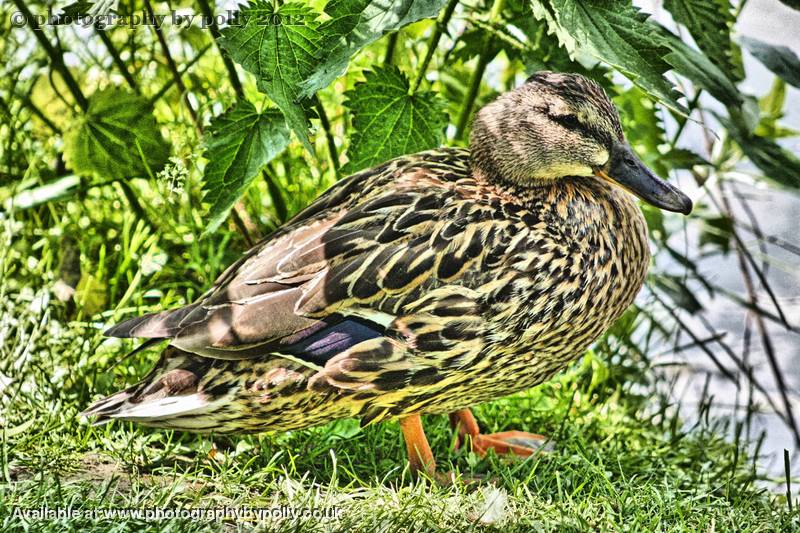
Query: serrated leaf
(279, 48)
(71, 12)
(616, 33)
(390, 122)
(542, 50)
(353, 25)
(709, 22)
(779, 59)
(240, 142)
(117, 138)
(699, 69)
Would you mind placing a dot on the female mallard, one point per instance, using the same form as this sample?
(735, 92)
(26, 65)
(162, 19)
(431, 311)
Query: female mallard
(428, 284)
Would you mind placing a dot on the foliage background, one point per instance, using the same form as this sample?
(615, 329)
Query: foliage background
(136, 163)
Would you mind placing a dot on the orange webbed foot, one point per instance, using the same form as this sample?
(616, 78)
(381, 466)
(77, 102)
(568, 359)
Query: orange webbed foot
(519, 443)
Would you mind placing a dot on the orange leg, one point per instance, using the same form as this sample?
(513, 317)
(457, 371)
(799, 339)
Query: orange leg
(419, 451)
(518, 443)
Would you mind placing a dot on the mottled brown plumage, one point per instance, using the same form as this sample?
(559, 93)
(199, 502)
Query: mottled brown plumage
(428, 284)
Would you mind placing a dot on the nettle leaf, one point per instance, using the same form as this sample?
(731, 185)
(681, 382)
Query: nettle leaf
(116, 138)
(239, 143)
(709, 22)
(620, 35)
(779, 59)
(390, 122)
(699, 69)
(541, 50)
(616, 33)
(353, 25)
(73, 11)
(279, 47)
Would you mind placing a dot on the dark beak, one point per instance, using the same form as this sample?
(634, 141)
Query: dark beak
(625, 169)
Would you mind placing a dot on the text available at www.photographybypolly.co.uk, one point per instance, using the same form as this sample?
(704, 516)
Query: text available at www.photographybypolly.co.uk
(219, 514)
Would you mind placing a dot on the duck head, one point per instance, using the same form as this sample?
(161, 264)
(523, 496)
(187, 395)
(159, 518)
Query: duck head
(558, 125)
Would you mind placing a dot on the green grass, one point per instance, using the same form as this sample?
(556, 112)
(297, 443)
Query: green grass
(622, 459)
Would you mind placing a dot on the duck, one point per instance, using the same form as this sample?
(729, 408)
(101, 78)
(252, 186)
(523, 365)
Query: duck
(426, 285)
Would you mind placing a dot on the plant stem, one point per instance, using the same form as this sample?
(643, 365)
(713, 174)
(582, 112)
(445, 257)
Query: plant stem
(243, 222)
(391, 44)
(683, 120)
(766, 340)
(205, 7)
(173, 67)
(133, 200)
(477, 75)
(56, 58)
(685, 327)
(120, 64)
(275, 194)
(469, 98)
(184, 70)
(26, 101)
(438, 30)
(326, 127)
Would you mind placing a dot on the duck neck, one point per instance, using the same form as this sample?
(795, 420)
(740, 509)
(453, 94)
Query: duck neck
(528, 193)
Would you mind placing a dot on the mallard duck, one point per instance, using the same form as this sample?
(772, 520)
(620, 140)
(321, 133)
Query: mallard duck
(428, 284)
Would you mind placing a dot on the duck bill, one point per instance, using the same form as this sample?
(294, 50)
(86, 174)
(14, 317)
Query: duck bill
(628, 171)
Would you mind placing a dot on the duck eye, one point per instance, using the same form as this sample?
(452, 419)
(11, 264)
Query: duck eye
(570, 121)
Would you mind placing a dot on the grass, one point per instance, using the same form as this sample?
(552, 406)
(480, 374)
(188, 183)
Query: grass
(622, 460)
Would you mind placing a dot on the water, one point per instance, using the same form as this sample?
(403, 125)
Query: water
(778, 213)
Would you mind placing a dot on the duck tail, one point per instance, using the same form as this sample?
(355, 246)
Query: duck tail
(168, 397)
(163, 325)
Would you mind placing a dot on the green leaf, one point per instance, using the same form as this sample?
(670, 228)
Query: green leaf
(771, 110)
(709, 22)
(542, 50)
(683, 158)
(717, 231)
(620, 35)
(390, 122)
(779, 59)
(71, 12)
(616, 33)
(778, 164)
(279, 48)
(117, 138)
(474, 42)
(677, 291)
(353, 25)
(55, 190)
(699, 69)
(240, 142)
(642, 127)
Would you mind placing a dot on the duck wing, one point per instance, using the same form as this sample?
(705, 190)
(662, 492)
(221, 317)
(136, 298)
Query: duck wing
(383, 254)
